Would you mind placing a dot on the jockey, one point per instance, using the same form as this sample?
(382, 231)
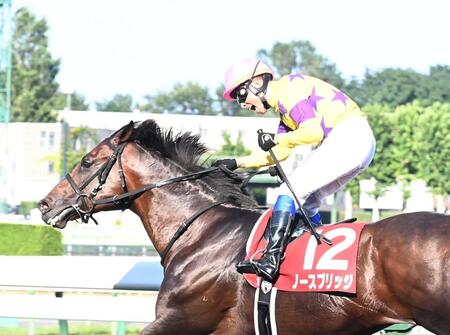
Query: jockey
(311, 112)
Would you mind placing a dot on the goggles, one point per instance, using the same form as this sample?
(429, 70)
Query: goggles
(241, 94)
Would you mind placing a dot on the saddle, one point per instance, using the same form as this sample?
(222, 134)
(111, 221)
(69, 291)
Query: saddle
(307, 265)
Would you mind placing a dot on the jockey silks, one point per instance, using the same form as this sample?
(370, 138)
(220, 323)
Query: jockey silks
(309, 109)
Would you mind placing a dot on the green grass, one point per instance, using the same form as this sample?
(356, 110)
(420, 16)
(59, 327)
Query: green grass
(73, 330)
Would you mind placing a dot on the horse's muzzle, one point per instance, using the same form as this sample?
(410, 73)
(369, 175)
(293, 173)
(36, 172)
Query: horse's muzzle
(56, 215)
(43, 206)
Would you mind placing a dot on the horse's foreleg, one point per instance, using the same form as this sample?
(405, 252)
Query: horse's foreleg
(234, 326)
(162, 326)
(153, 329)
(230, 332)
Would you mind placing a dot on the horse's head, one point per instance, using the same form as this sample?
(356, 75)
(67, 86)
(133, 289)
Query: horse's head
(99, 182)
(75, 195)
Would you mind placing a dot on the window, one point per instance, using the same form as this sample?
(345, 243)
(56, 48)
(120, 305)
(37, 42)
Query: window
(51, 139)
(43, 138)
(47, 139)
(202, 131)
(50, 167)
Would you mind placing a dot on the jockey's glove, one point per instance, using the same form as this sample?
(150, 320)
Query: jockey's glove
(229, 163)
(274, 172)
(266, 141)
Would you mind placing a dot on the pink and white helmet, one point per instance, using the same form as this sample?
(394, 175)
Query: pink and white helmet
(241, 71)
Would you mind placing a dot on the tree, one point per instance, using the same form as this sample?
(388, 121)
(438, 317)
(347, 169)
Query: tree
(393, 87)
(383, 167)
(231, 149)
(413, 142)
(189, 98)
(33, 70)
(81, 140)
(405, 124)
(437, 85)
(119, 103)
(397, 87)
(433, 139)
(353, 89)
(77, 102)
(301, 57)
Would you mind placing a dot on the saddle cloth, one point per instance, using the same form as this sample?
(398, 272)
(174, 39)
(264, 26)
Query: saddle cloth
(309, 267)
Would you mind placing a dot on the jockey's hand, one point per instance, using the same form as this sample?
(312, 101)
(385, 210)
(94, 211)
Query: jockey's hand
(266, 141)
(273, 171)
(230, 163)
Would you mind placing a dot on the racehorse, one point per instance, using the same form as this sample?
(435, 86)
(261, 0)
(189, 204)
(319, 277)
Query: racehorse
(403, 271)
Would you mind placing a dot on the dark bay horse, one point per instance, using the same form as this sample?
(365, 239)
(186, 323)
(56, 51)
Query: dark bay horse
(403, 262)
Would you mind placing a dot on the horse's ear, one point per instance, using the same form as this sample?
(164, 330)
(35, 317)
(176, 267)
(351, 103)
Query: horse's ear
(123, 134)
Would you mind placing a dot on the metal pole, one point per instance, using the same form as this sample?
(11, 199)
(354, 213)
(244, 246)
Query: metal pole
(69, 102)
(31, 327)
(65, 139)
(63, 327)
(121, 328)
(333, 218)
(6, 15)
(283, 176)
(63, 324)
(5, 59)
(31, 324)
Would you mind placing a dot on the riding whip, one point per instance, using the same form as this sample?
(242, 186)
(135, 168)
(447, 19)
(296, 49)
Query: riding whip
(284, 178)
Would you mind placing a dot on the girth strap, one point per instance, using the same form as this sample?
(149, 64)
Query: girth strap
(264, 313)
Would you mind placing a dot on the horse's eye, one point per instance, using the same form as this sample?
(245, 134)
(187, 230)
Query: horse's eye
(86, 162)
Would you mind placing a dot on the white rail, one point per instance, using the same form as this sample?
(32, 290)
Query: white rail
(122, 289)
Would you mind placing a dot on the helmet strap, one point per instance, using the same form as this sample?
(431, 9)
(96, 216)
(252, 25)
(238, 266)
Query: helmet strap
(260, 92)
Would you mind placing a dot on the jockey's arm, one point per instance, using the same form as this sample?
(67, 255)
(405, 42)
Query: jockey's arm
(308, 132)
(261, 158)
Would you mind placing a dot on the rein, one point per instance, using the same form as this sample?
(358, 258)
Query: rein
(85, 203)
(116, 199)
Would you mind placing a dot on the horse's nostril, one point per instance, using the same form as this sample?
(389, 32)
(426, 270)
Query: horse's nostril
(43, 206)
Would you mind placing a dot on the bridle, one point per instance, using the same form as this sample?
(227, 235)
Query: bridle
(86, 203)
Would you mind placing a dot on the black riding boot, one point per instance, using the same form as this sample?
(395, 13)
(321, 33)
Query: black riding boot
(269, 265)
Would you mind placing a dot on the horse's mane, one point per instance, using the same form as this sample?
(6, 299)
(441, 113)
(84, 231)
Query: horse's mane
(186, 150)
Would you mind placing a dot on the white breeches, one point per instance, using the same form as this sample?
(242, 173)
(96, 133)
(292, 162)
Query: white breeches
(345, 153)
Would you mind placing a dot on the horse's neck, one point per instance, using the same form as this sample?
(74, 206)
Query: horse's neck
(164, 210)
(220, 231)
